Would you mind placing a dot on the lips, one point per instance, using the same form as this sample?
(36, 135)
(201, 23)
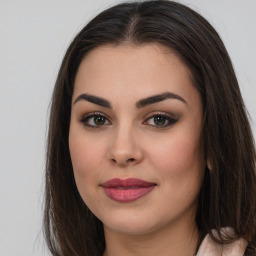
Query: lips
(127, 190)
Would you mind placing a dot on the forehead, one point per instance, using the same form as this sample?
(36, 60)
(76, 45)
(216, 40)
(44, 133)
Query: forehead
(139, 71)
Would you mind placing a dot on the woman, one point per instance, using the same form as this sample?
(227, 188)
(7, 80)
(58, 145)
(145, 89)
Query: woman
(150, 149)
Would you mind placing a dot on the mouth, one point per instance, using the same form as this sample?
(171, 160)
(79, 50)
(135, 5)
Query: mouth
(127, 190)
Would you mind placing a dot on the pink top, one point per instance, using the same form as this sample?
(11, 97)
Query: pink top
(210, 248)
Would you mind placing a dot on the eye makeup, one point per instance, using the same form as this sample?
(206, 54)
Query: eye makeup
(95, 120)
(158, 120)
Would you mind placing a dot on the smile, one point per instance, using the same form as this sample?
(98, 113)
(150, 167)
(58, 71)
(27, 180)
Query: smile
(127, 190)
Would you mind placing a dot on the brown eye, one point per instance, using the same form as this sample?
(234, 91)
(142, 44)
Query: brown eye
(99, 120)
(160, 121)
(94, 120)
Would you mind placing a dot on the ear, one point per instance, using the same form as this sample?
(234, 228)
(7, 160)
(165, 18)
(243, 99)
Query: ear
(208, 164)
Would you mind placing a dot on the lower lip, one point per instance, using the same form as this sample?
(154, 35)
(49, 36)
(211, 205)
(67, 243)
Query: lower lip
(127, 194)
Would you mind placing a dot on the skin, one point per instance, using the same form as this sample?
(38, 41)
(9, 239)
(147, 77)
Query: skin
(129, 143)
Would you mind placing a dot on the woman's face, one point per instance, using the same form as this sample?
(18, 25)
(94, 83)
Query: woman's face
(136, 138)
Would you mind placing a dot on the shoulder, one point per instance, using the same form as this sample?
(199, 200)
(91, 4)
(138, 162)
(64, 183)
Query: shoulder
(211, 248)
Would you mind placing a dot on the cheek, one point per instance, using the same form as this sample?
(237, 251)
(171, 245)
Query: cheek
(180, 165)
(179, 155)
(86, 156)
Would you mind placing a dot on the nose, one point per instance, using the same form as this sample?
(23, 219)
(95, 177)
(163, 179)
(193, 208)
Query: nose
(124, 149)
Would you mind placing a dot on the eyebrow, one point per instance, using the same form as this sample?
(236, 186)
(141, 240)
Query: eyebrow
(94, 99)
(158, 98)
(139, 104)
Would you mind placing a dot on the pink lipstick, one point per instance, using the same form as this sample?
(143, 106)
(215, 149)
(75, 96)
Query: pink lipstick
(127, 190)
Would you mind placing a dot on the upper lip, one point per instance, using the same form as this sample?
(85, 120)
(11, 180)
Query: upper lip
(130, 182)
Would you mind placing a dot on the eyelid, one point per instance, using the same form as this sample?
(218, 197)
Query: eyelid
(87, 116)
(161, 113)
(169, 116)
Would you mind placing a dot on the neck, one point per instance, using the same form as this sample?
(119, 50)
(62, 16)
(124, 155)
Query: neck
(175, 241)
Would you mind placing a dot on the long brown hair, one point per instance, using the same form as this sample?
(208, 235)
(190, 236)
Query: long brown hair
(228, 195)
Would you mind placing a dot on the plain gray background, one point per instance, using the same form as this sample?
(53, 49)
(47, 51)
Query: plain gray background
(34, 36)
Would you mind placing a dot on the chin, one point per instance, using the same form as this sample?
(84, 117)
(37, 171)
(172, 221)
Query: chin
(132, 223)
(129, 228)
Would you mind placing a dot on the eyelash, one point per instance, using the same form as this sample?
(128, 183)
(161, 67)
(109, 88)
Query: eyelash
(168, 119)
(85, 120)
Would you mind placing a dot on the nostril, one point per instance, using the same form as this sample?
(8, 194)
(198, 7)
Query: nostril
(131, 160)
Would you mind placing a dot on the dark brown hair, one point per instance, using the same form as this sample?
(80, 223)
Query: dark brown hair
(228, 195)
